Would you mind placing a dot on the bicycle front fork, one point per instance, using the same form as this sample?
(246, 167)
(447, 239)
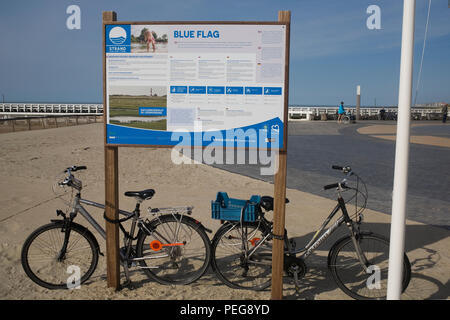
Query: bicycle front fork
(66, 229)
(355, 236)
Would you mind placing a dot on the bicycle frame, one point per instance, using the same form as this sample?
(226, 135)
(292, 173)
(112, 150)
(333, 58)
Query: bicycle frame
(316, 241)
(78, 208)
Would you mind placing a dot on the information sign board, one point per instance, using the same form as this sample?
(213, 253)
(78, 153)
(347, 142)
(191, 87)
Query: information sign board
(223, 81)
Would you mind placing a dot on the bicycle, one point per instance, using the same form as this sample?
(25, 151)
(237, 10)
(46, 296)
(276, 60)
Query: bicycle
(358, 262)
(348, 117)
(391, 115)
(171, 247)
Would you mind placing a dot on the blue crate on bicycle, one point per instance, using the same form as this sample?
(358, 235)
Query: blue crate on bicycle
(226, 208)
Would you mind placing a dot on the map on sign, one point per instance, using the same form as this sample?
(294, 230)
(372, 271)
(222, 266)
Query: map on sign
(205, 78)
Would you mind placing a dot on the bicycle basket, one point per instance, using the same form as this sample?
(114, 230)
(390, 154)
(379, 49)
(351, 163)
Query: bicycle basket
(225, 208)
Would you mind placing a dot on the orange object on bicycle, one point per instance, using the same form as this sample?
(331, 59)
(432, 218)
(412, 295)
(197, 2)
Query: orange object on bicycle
(156, 245)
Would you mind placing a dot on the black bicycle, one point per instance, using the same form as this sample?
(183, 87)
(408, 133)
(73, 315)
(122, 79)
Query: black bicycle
(170, 246)
(358, 262)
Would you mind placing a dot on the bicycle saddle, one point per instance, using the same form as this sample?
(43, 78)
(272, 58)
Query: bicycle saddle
(267, 202)
(144, 194)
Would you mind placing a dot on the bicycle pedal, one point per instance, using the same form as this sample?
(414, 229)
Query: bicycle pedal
(128, 285)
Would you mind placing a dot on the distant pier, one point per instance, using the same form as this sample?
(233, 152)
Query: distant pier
(30, 109)
(32, 116)
(302, 113)
(296, 113)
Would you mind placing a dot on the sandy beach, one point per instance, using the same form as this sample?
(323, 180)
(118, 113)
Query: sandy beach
(31, 161)
(388, 132)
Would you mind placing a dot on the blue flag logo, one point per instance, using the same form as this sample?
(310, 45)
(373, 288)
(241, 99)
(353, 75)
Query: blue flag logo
(117, 35)
(118, 38)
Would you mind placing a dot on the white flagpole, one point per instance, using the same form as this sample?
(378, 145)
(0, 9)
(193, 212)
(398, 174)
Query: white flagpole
(397, 243)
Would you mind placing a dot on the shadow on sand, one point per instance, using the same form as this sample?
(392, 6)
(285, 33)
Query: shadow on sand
(425, 262)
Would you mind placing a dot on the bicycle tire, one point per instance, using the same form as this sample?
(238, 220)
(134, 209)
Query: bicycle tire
(40, 277)
(229, 266)
(188, 261)
(346, 277)
(346, 119)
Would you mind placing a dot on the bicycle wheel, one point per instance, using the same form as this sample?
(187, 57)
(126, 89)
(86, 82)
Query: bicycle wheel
(229, 261)
(173, 250)
(354, 279)
(346, 119)
(41, 259)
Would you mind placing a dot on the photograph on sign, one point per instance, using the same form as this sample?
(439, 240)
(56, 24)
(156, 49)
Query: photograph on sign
(138, 106)
(146, 38)
(226, 80)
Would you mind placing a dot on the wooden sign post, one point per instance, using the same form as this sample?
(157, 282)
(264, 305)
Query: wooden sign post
(270, 118)
(280, 184)
(111, 188)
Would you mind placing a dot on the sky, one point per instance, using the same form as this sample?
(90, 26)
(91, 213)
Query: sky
(332, 50)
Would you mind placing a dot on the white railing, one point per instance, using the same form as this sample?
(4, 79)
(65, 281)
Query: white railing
(50, 109)
(308, 113)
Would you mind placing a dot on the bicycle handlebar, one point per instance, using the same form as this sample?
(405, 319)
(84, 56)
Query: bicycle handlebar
(346, 170)
(336, 185)
(70, 180)
(331, 186)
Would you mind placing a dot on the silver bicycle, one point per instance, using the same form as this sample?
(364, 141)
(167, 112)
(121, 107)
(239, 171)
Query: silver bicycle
(169, 246)
(358, 262)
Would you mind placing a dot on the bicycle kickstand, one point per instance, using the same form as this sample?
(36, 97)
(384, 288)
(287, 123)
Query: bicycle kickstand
(296, 283)
(128, 283)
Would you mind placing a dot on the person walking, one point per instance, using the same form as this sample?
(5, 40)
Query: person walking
(444, 113)
(341, 112)
(382, 113)
(149, 39)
